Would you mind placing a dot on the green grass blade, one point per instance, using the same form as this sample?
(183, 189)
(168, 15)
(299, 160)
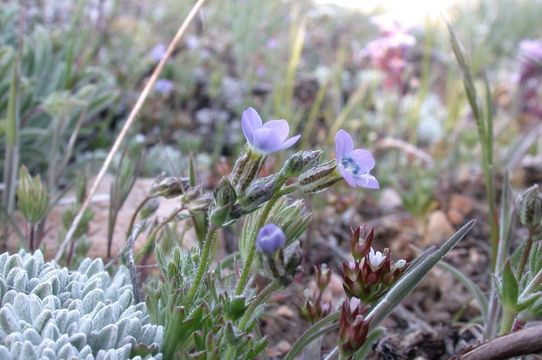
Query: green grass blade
(412, 278)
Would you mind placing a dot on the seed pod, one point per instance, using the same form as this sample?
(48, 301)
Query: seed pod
(319, 178)
(170, 187)
(300, 161)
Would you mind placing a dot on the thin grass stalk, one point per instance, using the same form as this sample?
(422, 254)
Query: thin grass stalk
(127, 125)
(484, 125)
(505, 226)
(352, 102)
(11, 156)
(313, 113)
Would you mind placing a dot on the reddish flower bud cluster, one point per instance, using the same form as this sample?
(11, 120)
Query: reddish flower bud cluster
(315, 308)
(353, 326)
(372, 272)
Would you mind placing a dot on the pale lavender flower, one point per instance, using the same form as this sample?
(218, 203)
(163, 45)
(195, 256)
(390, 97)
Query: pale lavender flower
(354, 164)
(163, 86)
(270, 239)
(269, 137)
(158, 52)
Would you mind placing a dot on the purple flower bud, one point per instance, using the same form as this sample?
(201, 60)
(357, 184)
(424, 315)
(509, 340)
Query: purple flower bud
(354, 164)
(270, 239)
(269, 137)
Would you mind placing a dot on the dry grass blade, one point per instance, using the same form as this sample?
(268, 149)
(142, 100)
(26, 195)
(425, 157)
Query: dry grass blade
(129, 121)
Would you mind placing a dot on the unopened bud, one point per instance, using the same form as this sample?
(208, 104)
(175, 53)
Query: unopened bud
(224, 193)
(33, 200)
(361, 241)
(270, 238)
(170, 187)
(529, 208)
(300, 161)
(258, 193)
(225, 198)
(353, 327)
(245, 169)
(234, 308)
(319, 178)
(323, 276)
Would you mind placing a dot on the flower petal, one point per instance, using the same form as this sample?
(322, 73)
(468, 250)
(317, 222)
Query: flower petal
(343, 144)
(250, 121)
(280, 127)
(290, 142)
(364, 159)
(367, 181)
(266, 141)
(350, 180)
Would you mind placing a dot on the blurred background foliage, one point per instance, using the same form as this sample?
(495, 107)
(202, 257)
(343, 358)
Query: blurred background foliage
(322, 67)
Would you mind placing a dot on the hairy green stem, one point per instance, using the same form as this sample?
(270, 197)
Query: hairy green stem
(507, 321)
(258, 300)
(203, 264)
(525, 256)
(150, 239)
(136, 212)
(247, 266)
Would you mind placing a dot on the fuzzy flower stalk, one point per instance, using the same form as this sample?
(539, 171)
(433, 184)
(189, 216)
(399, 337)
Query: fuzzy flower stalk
(372, 272)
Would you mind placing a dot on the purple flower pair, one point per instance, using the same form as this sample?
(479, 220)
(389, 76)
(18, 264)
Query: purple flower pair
(354, 165)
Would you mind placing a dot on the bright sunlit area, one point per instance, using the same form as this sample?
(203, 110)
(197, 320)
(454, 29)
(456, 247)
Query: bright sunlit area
(270, 179)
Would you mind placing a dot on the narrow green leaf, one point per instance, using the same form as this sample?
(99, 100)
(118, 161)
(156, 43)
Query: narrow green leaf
(475, 291)
(413, 277)
(372, 337)
(319, 328)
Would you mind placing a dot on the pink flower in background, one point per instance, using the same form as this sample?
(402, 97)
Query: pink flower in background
(530, 77)
(389, 52)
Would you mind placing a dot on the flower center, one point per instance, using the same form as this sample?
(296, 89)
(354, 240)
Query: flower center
(350, 165)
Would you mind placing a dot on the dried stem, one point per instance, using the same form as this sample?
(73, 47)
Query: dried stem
(127, 125)
(522, 342)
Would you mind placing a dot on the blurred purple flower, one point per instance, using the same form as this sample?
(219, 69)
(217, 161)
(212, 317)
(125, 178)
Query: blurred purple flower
(530, 53)
(158, 52)
(530, 76)
(354, 164)
(269, 137)
(163, 86)
(389, 52)
(270, 239)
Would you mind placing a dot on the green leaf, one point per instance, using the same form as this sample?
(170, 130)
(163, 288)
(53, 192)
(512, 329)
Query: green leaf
(319, 328)
(372, 337)
(413, 277)
(475, 291)
(509, 287)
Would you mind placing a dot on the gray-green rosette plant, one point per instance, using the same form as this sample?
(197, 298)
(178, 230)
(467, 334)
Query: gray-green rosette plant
(49, 312)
